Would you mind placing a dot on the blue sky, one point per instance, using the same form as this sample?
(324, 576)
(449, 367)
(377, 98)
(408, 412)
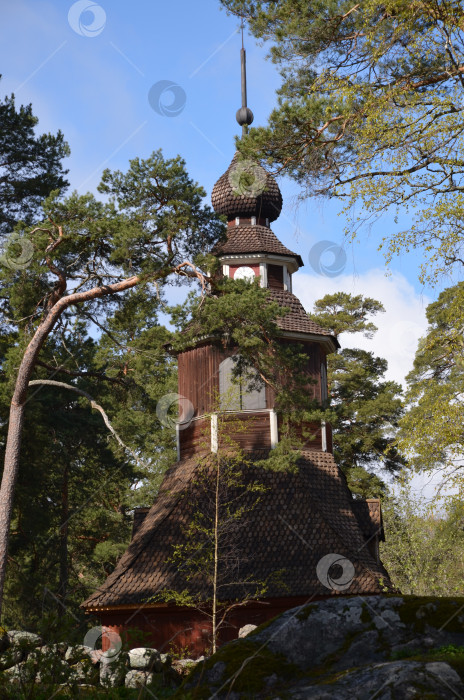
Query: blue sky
(88, 70)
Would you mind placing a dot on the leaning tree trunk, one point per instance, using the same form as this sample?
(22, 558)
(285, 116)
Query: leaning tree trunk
(19, 400)
(18, 405)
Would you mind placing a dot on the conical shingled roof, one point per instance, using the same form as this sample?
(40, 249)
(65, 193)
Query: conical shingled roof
(246, 190)
(296, 320)
(244, 239)
(299, 519)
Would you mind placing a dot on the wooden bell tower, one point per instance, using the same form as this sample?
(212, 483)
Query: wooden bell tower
(322, 523)
(250, 199)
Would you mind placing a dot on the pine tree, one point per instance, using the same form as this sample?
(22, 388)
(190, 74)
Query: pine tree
(431, 430)
(30, 165)
(86, 254)
(366, 407)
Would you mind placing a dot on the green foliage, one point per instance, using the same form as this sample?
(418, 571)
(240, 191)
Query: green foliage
(370, 110)
(450, 649)
(365, 408)
(345, 313)
(431, 430)
(423, 551)
(30, 165)
(367, 411)
(77, 487)
(163, 205)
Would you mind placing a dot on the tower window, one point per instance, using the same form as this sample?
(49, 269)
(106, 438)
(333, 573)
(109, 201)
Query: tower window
(240, 393)
(275, 276)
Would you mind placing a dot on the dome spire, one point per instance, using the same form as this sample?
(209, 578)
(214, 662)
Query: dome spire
(244, 115)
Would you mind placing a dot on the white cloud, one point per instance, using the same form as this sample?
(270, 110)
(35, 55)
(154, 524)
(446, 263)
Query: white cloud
(400, 327)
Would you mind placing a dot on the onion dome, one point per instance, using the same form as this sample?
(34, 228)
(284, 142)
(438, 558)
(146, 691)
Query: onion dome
(246, 190)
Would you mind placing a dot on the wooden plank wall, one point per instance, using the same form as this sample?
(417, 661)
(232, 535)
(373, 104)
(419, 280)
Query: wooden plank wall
(314, 429)
(255, 435)
(199, 377)
(195, 438)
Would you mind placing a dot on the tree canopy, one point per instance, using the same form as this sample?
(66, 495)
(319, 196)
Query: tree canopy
(85, 254)
(431, 430)
(30, 165)
(370, 110)
(366, 408)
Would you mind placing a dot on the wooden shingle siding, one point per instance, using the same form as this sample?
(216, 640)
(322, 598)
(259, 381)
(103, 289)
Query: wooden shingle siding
(314, 502)
(227, 198)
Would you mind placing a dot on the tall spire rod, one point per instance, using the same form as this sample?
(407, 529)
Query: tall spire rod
(244, 115)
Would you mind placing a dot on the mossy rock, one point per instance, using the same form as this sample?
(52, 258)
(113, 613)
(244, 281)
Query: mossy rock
(242, 666)
(330, 641)
(428, 611)
(305, 612)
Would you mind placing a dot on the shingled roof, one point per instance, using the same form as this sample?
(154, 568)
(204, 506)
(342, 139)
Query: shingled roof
(245, 238)
(246, 189)
(369, 515)
(296, 320)
(299, 519)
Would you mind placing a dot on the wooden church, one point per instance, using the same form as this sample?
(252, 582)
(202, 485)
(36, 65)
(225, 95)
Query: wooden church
(305, 536)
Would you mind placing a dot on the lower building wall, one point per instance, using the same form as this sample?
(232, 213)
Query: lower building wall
(173, 628)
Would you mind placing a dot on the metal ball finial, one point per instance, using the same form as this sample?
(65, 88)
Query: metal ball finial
(244, 116)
